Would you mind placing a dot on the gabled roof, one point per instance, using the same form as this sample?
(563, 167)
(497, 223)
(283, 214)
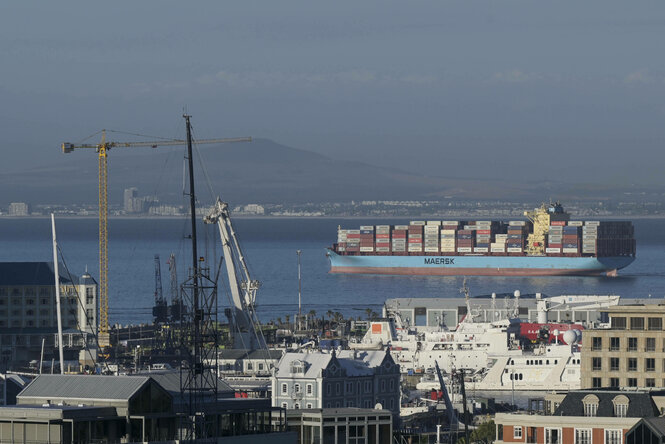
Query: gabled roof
(82, 387)
(640, 403)
(657, 426)
(239, 353)
(363, 364)
(314, 363)
(169, 380)
(32, 273)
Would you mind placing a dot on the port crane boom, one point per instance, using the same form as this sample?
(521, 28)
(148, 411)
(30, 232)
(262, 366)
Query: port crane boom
(102, 149)
(243, 289)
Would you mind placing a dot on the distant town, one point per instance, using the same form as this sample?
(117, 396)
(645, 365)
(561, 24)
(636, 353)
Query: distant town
(135, 205)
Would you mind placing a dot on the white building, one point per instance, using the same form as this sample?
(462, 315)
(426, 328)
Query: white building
(19, 209)
(334, 380)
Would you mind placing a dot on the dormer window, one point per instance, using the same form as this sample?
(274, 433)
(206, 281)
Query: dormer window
(590, 405)
(620, 406)
(298, 367)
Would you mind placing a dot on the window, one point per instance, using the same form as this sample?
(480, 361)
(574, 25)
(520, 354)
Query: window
(597, 344)
(309, 389)
(632, 382)
(552, 436)
(89, 316)
(596, 382)
(650, 344)
(517, 432)
(637, 323)
(632, 344)
(296, 405)
(284, 405)
(613, 436)
(296, 388)
(650, 364)
(650, 382)
(582, 436)
(614, 364)
(596, 363)
(250, 366)
(30, 302)
(260, 366)
(309, 405)
(383, 385)
(348, 387)
(615, 344)
(338, 388)
(328, 389)
(618, 322)
(284, 389)
(614, 382)
(655, 323)
(590, 403)
(89, 296)
(632, 364)
(620, 406)
(392, 385)
(368, 386)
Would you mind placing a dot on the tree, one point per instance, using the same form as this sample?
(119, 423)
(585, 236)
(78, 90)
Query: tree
(312, 316)
(484, 434)
(279, 322)
(368, 312)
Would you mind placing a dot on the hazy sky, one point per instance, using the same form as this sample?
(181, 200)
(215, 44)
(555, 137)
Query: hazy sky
(564, 89)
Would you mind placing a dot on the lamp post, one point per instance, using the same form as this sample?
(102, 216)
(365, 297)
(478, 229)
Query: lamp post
(298, 252)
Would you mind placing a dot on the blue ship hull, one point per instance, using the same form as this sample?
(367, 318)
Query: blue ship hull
(477, 265)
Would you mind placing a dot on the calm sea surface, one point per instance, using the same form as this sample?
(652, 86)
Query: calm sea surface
(270, 248)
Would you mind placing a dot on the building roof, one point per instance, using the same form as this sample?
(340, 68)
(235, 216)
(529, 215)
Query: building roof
(239, 353)
(640, 403)
(32, 273)
(81, 387)
(170, 381)
(45, 413)
(657, 426)
(353, 363)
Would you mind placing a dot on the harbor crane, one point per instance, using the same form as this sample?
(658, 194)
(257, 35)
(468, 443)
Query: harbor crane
(102, 148)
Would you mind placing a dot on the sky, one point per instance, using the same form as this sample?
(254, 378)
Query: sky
(565, 90)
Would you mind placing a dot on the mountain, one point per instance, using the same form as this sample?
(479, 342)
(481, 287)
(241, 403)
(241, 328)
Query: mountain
(261, 171)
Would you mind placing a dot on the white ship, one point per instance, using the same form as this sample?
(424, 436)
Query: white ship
(493, 353)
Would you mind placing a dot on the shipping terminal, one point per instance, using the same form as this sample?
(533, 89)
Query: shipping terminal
(548, 243)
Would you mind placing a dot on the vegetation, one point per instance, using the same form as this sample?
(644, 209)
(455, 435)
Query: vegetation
(484, 434)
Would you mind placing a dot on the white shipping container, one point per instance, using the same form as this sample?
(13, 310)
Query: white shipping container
(415, 249)
(464, 249)
(431, 249)
(590, 223)
(352, 231)
(501, 236)
(383, 227)
(434, 222)
(552, 250)
(514, 250)
(415, 236)
(447, 236)
(470, 227)
(367, 227)
(575, 223)
(569, 250)
(480, 250)
(341, 249)
(448, 231)
(366, 249)
(450, 222)
(382, 249)
(497, 250)
(517, 223)
(401, 227)
(417, 222)
(447, 250)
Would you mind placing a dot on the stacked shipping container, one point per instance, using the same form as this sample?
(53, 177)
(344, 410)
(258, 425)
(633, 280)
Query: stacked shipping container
(573, 238)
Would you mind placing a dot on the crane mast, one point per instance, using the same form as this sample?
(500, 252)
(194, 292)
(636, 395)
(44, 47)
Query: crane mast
(243, 288)
(102, 149)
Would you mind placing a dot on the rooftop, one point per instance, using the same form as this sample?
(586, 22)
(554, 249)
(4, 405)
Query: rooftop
(32, 273)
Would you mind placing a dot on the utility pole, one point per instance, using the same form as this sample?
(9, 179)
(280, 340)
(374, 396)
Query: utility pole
(299, 252)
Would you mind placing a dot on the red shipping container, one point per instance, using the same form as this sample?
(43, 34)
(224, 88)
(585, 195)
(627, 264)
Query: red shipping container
(353, 236)
(383, 236)
(560, 223)
(484, 231)
(554, 245)
(415, 241)
(399, 236)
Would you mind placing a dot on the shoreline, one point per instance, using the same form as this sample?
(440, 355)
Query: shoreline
(413, 217)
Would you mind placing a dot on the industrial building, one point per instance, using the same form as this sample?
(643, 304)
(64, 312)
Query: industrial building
(28, 312)
(341, 426)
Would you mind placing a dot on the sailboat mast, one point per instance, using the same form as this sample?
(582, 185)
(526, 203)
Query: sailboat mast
(56, 273)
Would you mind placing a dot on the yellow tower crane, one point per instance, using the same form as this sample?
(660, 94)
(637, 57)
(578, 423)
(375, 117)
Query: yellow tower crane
(102, 149)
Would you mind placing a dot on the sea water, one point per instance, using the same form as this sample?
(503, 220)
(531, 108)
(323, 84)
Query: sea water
(269, 246)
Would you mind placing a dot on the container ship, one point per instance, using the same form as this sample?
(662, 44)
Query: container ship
(548, 243)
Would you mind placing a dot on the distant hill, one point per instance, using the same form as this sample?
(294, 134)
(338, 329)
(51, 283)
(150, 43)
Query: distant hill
(261, 171)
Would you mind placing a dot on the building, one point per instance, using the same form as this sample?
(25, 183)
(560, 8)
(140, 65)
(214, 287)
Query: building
(341, 426)
(130, 200)
(71, 409)
(630, 353)
(28, 311)
(18, 209)
(582, 416)
(248, 362)
(335, 380)
(647, 430)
